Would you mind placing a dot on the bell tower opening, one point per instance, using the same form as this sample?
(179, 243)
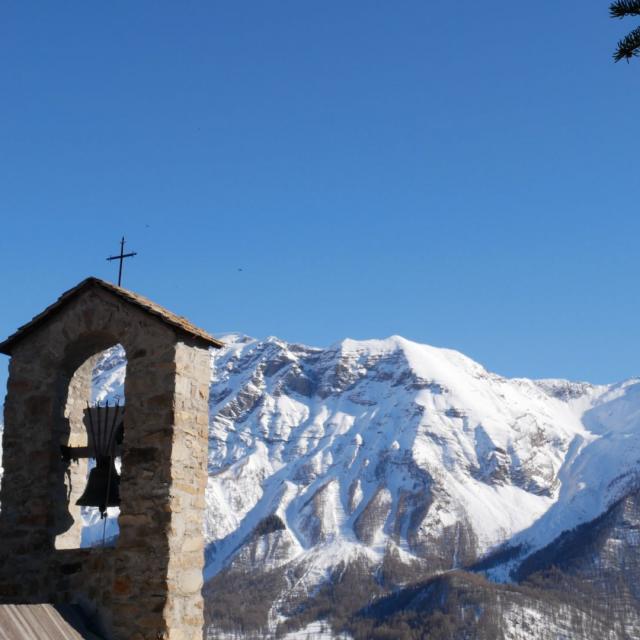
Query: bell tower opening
(91, 442)
(106, 417)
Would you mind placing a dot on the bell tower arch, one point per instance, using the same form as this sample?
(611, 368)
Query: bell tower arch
(148, 585)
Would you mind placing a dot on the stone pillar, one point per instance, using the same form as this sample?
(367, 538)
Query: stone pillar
(75, 434)
(160, 552)
(184, 607)
(26, 497)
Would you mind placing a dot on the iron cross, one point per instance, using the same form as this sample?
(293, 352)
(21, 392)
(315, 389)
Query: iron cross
(121, 257)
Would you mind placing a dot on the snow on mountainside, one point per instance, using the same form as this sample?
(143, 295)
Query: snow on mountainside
(380, 443)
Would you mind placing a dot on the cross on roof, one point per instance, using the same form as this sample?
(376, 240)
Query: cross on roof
(121, 257)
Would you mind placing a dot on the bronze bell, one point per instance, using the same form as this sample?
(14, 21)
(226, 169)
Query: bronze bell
(103, 486)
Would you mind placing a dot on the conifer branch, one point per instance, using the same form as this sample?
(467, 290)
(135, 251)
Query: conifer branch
(628, 47)
(623, 8)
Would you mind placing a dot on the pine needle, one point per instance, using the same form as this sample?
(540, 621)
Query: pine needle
(628, 47)
(623, 8)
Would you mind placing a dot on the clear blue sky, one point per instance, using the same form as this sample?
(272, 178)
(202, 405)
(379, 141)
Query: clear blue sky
(463, 174)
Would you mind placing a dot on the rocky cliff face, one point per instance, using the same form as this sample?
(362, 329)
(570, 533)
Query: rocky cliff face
(343, 475)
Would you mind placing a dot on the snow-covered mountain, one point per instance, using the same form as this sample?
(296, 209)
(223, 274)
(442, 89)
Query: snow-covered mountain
(388, 443)
(390, 449)
(399, 458)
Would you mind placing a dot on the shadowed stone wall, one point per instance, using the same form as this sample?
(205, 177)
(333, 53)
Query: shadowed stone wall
(78, 395)
(149, 585)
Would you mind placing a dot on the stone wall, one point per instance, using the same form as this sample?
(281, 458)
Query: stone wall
(149, 585)
(78, 395)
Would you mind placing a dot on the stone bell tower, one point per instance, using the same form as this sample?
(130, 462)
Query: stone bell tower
(148, 585)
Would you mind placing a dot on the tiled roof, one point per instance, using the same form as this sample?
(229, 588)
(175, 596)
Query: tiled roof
(41, 622)
(178, 322)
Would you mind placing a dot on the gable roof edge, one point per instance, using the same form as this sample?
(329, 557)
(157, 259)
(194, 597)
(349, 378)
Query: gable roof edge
(181, 324)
